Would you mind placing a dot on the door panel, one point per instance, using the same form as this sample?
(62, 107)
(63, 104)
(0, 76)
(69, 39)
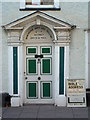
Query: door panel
(46, 66)
(31, 50)
(46, 90)
(31, 66)
(31, 90)
(46, 50)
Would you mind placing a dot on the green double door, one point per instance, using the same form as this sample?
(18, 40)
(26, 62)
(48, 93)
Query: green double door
(39, 74)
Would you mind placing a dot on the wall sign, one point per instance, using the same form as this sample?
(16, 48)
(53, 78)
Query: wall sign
(76, 93)
(38, 33)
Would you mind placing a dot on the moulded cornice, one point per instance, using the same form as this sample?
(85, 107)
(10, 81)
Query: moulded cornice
(20, 23)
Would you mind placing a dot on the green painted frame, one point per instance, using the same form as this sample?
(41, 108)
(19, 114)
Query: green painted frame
(27, 66)
(50, 67)
(41, 89)
(46, 47)
(27, 87)
(15, 70)
(61, 71)
(31, 47)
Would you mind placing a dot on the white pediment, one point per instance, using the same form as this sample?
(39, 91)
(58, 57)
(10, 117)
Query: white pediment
(38, 18)
(49, 29)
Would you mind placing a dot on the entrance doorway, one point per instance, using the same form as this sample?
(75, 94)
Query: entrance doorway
(39, 74)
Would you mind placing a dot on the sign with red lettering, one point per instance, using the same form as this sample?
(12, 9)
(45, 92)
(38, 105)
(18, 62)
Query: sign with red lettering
(76, 93)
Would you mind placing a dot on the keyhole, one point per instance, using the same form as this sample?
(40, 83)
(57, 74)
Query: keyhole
(39, 78)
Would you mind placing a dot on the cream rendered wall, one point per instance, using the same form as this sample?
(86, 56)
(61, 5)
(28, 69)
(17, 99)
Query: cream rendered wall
(77, 55)
(73, 13)
(89, 44)
(4, 62)
(89, 59)
(0, 48)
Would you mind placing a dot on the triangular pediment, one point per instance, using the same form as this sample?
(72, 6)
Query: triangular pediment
(37, 18)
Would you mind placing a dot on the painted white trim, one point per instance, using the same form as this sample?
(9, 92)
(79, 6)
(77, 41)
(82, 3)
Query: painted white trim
(22, 4)
(10, 69)
(18, 72)
(36, 2)
(20, 75)
(56, 72)
(18, 69)
(86, 59)
(56, 4)
(39, 6)
(66, 67)
(60, 100)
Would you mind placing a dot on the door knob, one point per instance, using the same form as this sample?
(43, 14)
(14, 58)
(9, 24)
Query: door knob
(39, 78)
(26, 78)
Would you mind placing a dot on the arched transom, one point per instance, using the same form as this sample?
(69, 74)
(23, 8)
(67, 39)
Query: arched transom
(38, 33)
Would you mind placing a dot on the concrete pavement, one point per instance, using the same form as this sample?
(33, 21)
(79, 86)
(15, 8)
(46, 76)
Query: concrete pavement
(44, 111)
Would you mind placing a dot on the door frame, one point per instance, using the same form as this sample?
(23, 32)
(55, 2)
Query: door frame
(37, 101)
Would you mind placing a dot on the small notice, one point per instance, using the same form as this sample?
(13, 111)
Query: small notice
(76, 93)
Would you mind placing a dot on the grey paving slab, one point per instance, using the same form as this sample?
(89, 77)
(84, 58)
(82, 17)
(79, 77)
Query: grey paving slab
(80, 115)
(44, 111)
(63, 112)
(30, 108)
(80, 109)
(80, 112)
(11, 115)
(4, 109)
(48, 114)
(63, 115)
(63, 109)
(47, 108)
(13, 110)
(28, 115)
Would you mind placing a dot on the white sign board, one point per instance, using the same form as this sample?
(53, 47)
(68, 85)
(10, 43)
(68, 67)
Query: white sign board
(76, 93)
